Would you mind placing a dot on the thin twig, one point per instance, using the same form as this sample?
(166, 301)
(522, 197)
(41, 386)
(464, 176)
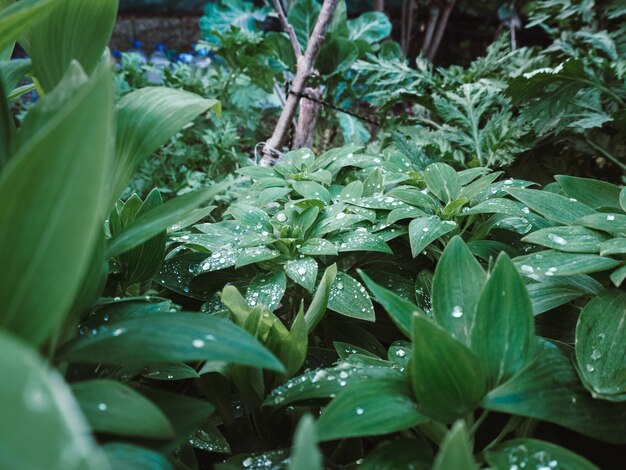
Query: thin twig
(441, 28)
(288, 29)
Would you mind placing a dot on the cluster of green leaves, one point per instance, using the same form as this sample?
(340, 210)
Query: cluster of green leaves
(476, 273)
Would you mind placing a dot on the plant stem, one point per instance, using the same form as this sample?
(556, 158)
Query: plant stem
(479, 421)
(510, 425)
(434, 431)
(605, 154)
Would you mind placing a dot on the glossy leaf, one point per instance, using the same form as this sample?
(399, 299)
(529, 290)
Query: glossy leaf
(503, 333)
(557, 263)
(600, 339)
(456, 450)
(114, 408)
(267, 289)
(612, 223)
(573, 239)
(369, 409)
(303, 271)
(170, 337)
(348, 297)
(58, 172)
(425, 230)
(552, 206)
(81, 32)
(37, 406)
(457, 283)
(178, 371)
(448, 379)
(591, 192)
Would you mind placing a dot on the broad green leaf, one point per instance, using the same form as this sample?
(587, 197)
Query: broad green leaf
(425, 230)
(348, 297)
(550, 390)
(254, 255)
(618, 276)
(613, 246)
(448, 379)
(443, 181)
(558, 263)
(17, 18)
(170, 337)
(115, 408)
(318, 247)
(600, 339)
(325, 383)
(80, 32)
(210, 439)
(150, 223)
(369, 409)
(302, 17)
(126, 456)
(336, 56)
(498, 205)
(58, 172)
(371, 26)
(592, 193)
(37, 406)
(267, 289)
(302, 271)
(573, 239)
(311, 190)
(360, 240)
(146, 119)
(353, 130)
(554, 207)
(533, 453)
(457, 283)
(612, 223)
(317, 308)
(545, 296)
(503, 333)
(400, 310)
(174, 371)
(305, 454)
(399, 453)
(456, 450)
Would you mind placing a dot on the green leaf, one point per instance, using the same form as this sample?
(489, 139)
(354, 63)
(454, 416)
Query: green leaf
(549, 389)
(352, 129)
(267, 289)
(503, 333)
(336, 56)
(600, 337)
(443, 181)
(614, 246)
(17, 18)
(210, 439)
(593, 193)
(456, 450)
(612, 223)
(554, 207)
(622, 199)
(369, 409)
(399, 453)
(37, 406)
(254, 255)
(302, 17)
(311, 190)
(558, 263)
(371, 26)
(318, 247)
(174, 371)
(348, 297)
(400, 310)
(8, 132)
(81, 32)
(303, 271)
(457, 283)
(533, 453)
(170, 337)
(146, 119)
(618, 276)
(448, 379)
(573, 239)
(150, 223)
(425, 230)
(317, 308)
(126, 456)
(305, 454)
(12, 72)
(114, 408)
(57, 172)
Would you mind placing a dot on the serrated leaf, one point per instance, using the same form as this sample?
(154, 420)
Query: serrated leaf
(114, 408)
(348, 297)
(369, 409)
(600, 336)
(425, 230)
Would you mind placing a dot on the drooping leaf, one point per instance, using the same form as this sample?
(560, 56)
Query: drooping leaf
(448, 379)
(369, 409)
(503, 333)
(457, 283)
(114, 408)
(600, 336)
(170, 337)
(57, 172)
(81, 32)
(37, 406)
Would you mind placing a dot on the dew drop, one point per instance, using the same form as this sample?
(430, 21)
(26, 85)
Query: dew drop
(102, 406)
(457, 311)
(197, 343)
(400, 353)
(610, 217)
(590, 368)
(595, 354)
(360, 411)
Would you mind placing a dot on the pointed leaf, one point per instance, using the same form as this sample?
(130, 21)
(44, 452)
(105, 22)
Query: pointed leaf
(317, 308)
(305, 453)
(456, 450)
(443, 181)
(593, 193)
(267, 289)
(558, 263)
(425, 230)
(17, 18)
(303, 271)
(552, 206)
(573, 239)
(348, 297)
